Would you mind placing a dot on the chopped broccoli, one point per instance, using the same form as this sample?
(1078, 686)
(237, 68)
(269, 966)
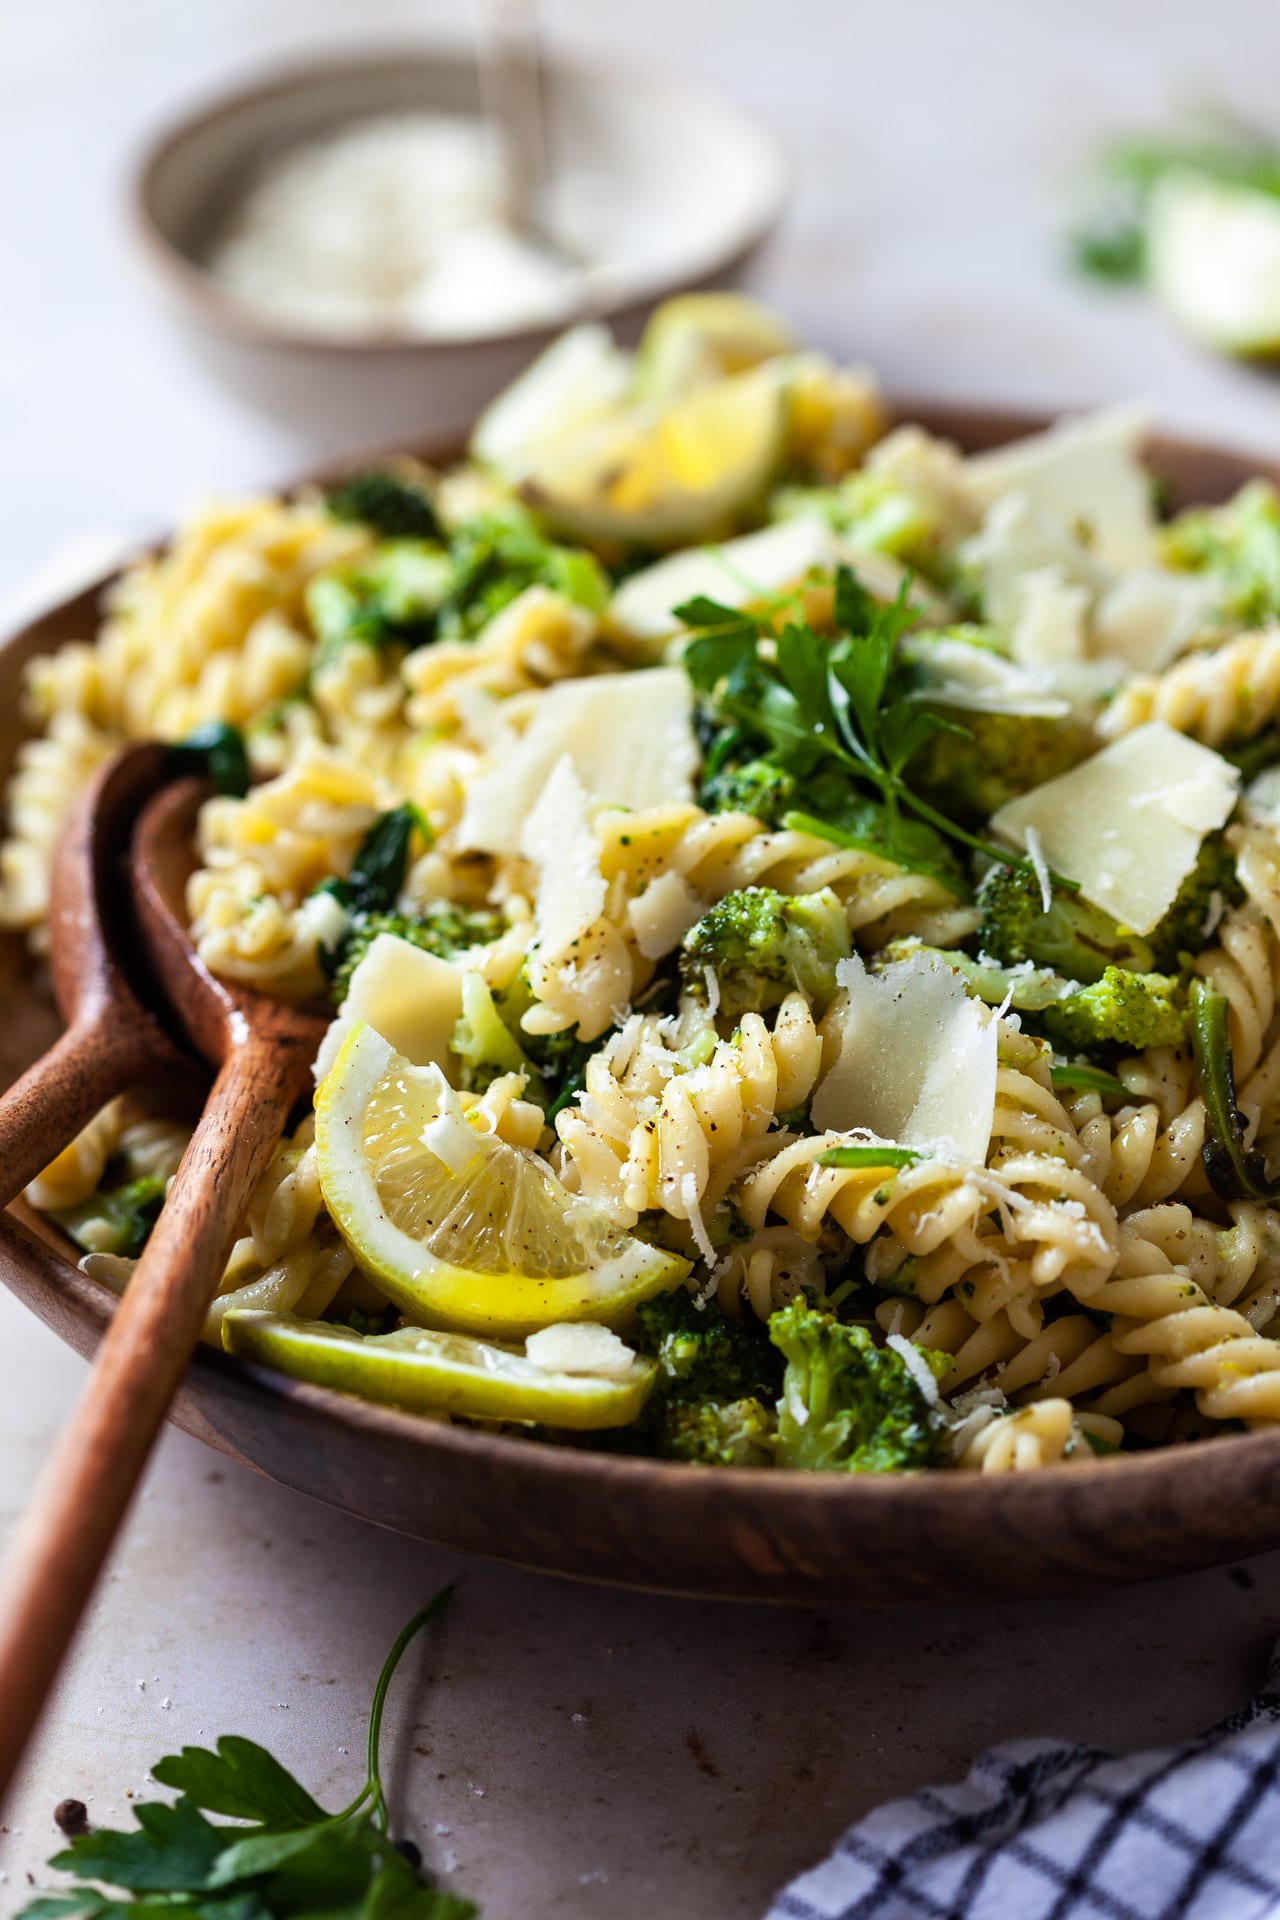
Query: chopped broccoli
(1209, 889)
(393, 502)
(1238, 544)
(119, 1221)
(441, 928)
(997, 757)
(701, 1354)
(754, 786)
(761, 944)
(1122, 1009)
(392, 596)
(483, 1042)
(411, 591)
(1026, 988)
(846, 1403)
(877, 513)
(714, 1433)
(1073, 938)
(716, 1384)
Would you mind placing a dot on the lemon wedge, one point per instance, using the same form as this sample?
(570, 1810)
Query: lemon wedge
(662, 476)
(432, 1372)
(699, 337)
(1213, 262)
(460, 1229)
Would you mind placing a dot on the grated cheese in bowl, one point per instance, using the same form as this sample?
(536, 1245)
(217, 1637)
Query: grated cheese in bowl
(391, 224)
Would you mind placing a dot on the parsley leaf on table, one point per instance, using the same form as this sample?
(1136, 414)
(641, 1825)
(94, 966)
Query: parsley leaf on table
(288, 1857)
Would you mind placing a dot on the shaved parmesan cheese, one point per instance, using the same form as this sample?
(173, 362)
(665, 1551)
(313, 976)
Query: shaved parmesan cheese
(580, 1346)
(413, 999)
(1048, 629)
(558, 836)
(977, 680)
(1044, 880)
(448, 1136)
(1015, 541)
(1148, 617)
(1083, 475)
(915, 1059)
(629, 739)
(1127, 824)
(738, 573)
(663, 914)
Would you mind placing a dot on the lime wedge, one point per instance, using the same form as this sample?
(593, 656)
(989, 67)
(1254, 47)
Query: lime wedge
(699, 337)
(432, 1372)
(460, 1229)
(1213, 262)
(664, 476)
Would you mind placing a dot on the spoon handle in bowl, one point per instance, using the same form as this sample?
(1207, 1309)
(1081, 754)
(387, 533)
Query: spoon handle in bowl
(46, 1108)
(89, 1480)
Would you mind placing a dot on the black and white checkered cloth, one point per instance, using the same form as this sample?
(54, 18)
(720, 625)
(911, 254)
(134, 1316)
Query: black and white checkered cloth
(1045, 1831)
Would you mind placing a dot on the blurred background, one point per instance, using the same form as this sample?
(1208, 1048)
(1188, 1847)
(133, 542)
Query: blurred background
(932, 151)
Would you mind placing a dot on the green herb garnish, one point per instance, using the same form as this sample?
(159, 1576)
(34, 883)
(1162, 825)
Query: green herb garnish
(217, 751)
(288, 1857)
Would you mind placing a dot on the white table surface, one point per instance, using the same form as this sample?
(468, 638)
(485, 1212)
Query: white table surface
(560, 1751)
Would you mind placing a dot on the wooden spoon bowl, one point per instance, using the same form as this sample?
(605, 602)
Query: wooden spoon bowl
(809, 1539)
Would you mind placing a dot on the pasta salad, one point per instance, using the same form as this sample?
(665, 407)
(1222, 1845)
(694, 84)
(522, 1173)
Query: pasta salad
(799, 908)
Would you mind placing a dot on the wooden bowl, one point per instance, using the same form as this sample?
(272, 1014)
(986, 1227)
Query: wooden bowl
(695, 187)
(726, 1533)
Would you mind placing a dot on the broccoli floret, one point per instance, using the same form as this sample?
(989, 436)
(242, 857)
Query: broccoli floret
(392, 596)
(483, 1042)
(118, 1221)
(408, 592)
(714, 1433)
(1073, 938)
(1026, 988)
(716, 1384)
(701, 1354)
(1238, 544)
(394, 504)
(846, 1403)
(971, 775)
(755, 786)
(440, 928)
(1123, 1009)
(1209, 889)
(761, 944)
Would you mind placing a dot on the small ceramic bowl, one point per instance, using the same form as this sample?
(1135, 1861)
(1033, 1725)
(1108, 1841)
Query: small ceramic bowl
(694, 188)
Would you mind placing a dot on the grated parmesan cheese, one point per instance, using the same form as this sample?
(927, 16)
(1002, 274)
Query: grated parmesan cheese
(917, 1366)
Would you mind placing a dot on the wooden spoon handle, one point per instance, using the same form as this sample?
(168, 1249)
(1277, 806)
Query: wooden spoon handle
(89, 1481)
(47, 1107)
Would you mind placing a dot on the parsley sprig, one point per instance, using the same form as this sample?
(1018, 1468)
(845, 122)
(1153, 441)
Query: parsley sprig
(287, 1857)
(843, 715)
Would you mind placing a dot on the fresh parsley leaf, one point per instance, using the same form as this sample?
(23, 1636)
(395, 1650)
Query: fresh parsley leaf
(292, 1859)
(242, 1780)
(840, 718)
(172, 1850)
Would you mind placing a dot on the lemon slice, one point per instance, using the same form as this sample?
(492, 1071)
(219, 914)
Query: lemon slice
(662, 476)
(433, 1372)
(579, 376)
(704, 336)
(462, 1230)
(1213, 262)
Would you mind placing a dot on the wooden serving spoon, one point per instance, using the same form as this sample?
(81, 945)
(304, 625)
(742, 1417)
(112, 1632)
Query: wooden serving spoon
(263, 1052)
(111, 1040)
